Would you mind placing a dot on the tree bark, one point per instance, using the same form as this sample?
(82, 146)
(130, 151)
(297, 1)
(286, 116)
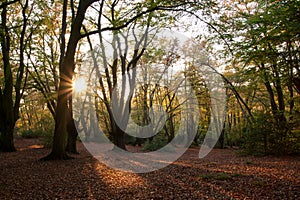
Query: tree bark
(7, 139)
(72, 136)
(296, 82)
(7, 117)
(65, 86)
(118, 137)
(72, 131)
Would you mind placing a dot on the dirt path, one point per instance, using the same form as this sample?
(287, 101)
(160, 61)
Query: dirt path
(221, 175)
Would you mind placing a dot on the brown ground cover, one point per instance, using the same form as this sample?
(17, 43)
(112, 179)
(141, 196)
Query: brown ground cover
(220, 175)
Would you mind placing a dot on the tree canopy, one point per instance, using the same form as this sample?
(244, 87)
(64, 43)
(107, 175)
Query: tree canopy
(252, 45)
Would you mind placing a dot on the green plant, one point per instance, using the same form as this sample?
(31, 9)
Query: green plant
(221, 176)
(237, 175)
(47, 139)
(30, 133)
(158, 142)
(258, 135)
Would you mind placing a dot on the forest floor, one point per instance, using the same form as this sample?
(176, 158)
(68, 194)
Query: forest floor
(221, 175)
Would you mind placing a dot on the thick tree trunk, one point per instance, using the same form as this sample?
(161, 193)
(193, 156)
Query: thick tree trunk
(7, 121)
(60, 133)
(7, 140)
(7, 115)
(118, 137)
(65, 85)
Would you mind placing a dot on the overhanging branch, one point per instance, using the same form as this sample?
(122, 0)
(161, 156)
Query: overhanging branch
(113, 28)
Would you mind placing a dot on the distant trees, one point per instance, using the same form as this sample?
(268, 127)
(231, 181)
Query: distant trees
(111, 17)
(156, 79)
(128, 48)
(263, 45)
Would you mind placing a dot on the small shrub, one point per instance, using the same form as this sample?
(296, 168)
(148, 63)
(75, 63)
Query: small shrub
(47, 139)
(237, 175)
(30, 134)
(158, 142)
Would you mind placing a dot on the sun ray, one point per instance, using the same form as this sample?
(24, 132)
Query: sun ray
(79, 84)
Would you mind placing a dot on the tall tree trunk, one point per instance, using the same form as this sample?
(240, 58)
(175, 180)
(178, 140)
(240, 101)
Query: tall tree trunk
(65, 85)
(7, 120)
(60, 132)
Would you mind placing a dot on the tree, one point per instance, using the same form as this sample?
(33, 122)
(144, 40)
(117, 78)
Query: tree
(67, 67)
(262, 45)
(66, 70)
(14, 72)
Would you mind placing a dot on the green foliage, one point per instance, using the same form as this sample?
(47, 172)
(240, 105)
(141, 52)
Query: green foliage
(47, 139)
(30, 133)
(263, 137)
(261, 48)
(41, 126)
(158, 142)
(46, 135)
(130, 140)
(257, 136)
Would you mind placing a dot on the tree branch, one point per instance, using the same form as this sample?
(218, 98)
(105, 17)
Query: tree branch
(113, 28)
(5, 4)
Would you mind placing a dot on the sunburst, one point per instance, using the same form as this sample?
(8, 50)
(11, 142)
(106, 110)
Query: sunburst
(79, 84)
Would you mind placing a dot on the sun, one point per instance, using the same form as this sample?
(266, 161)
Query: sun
(79, 84)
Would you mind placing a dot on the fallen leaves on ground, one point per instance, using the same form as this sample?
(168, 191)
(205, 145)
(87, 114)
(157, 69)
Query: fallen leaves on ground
(220, 175)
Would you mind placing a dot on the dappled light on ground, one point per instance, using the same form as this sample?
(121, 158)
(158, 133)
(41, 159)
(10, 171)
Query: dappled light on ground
(220, 175)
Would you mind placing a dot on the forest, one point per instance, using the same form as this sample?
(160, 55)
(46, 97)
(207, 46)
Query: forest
(150, 99)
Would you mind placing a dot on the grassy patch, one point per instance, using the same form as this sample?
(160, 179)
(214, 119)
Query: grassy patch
(259, 183)
(221, 176)
(237, 175)
(30, 134)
